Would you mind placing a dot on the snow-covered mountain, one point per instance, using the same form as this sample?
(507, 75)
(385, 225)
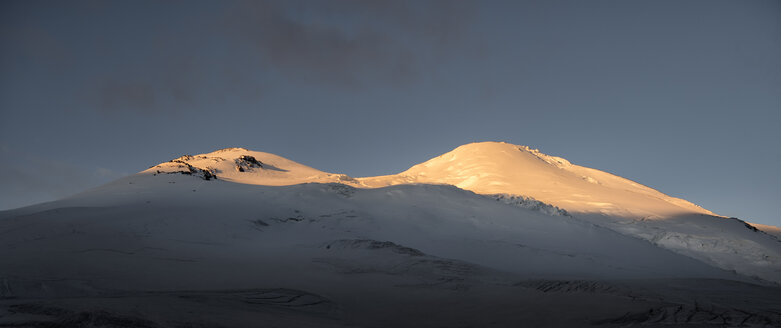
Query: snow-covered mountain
(604, 199)
(488, 234)
(496, 168)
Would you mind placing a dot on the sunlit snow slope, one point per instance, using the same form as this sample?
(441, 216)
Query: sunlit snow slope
(495, 167)
(485, 168)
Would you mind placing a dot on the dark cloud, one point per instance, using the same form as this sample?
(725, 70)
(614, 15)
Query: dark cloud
(353, 42)
(153, 56)
(235, 51)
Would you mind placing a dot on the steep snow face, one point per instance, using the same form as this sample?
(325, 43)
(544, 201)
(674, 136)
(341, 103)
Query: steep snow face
(494, 168)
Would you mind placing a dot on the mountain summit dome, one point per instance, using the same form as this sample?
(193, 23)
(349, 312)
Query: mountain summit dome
(498, 167)
(245, 166)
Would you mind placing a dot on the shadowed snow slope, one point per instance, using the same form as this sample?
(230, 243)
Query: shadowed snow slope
(143, 213)
(361, 257)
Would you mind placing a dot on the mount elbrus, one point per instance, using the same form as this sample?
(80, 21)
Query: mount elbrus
(489, 234)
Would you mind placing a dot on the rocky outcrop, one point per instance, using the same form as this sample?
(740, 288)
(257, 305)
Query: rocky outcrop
(247, 163)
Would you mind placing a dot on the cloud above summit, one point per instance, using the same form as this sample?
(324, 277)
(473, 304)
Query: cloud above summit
(350, 42)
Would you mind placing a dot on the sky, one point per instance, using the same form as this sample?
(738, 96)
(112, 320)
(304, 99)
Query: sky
(682, 96)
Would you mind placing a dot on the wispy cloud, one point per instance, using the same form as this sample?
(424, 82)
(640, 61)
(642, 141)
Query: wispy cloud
(350, 42)
(233, 49)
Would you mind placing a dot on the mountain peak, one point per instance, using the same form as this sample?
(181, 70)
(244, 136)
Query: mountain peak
(229, 149)
(498, 147)
(504, 168)
(241, 165)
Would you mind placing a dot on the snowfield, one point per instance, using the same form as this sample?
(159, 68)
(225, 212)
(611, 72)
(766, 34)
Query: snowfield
(490, 234)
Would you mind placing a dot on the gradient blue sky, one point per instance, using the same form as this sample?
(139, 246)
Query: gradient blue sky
(683, 96)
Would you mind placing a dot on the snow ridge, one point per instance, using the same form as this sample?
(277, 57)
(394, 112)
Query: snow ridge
(529, 203)
(553, 160)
